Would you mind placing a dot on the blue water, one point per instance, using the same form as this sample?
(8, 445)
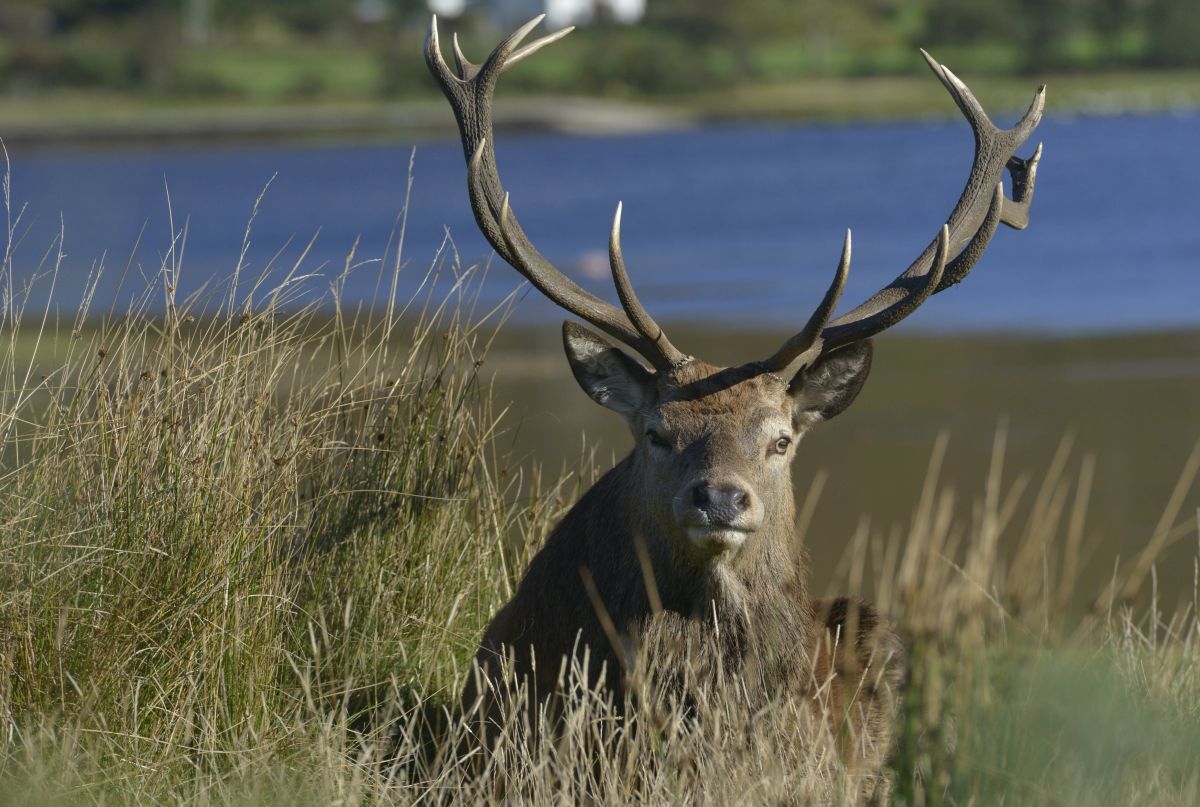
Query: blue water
(736, 224)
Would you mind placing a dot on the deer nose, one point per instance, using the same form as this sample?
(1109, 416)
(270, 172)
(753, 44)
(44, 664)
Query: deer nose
(723, 504)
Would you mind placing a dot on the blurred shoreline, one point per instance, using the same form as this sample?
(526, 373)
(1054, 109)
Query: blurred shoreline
(71, 120)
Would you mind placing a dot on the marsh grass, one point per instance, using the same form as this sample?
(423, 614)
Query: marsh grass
(248, 545)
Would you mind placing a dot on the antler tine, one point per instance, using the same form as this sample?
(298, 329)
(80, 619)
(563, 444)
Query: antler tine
(466, 70)
(470, 97)
(433, 58)
(959, 91)
(1033, 115)
(1023, 172)
(961, 266)
(970, 226)
(638, 315)
(907, 295)
(810, 334)
(498, 61)
(537, 44)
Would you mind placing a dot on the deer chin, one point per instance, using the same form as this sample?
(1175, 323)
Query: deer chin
(717, 539)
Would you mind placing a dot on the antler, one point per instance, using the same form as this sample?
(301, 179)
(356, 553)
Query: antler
(470, 96)
(966, 233)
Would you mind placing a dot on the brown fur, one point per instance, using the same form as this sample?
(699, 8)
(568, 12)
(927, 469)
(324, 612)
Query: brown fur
(721, 425)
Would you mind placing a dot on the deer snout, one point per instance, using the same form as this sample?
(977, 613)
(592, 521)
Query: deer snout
(721, 505)
(718, 512)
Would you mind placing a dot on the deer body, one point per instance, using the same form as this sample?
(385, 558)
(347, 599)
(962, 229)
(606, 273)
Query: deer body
(552, 613)
(691, 537)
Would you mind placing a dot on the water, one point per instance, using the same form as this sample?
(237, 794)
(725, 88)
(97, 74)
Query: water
(739, 224)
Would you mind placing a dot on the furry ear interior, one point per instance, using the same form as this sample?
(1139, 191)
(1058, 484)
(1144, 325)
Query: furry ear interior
(606, 374)
(830, 385)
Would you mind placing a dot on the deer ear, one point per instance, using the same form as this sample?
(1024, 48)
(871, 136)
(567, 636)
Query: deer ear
(831, 384)
(610, 377)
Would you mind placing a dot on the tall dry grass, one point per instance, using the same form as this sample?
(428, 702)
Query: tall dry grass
(248, 544)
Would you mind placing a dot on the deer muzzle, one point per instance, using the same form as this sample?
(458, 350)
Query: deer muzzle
(718, 514)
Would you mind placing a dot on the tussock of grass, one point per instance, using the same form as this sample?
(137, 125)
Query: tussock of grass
(247, 550)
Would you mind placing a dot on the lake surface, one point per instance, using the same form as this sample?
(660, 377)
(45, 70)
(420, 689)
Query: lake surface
(738, 224)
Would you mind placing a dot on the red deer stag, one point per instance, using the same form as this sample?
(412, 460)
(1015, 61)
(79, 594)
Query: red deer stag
(698, 519)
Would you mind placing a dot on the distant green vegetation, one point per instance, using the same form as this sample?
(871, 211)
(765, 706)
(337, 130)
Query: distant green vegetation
(272, 50)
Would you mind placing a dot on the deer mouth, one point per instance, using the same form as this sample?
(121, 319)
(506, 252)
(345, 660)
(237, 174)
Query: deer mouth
(717, 538)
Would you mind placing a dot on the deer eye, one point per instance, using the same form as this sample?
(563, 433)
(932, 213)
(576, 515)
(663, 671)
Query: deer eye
(781, 445)
(656, 439)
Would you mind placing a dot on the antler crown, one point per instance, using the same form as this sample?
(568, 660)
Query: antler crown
(949, 257)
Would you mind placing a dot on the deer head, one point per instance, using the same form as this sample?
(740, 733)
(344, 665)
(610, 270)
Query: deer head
(713, 445)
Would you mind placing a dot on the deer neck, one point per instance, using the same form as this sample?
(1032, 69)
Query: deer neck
(759, 581)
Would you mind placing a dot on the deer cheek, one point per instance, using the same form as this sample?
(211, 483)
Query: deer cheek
(656, 476)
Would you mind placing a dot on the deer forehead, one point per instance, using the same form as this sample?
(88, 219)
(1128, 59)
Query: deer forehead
(707, 385)
(739, 426)
(700, 399)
